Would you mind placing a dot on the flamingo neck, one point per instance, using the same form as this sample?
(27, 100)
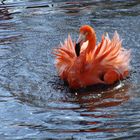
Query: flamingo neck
(91, 44)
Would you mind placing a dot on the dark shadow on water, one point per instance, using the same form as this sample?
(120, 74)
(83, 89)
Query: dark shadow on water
(100, 9)
(89, 98)
(8, 34)
(103, 96)
(4, 13)
(91, 107)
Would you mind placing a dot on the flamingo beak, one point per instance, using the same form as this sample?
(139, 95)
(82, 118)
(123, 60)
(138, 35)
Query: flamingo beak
(79, 42)
(81, 38)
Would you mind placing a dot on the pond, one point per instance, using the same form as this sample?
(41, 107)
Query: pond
(34, 102)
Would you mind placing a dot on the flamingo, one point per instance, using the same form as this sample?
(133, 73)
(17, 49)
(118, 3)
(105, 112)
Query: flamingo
(83, 63)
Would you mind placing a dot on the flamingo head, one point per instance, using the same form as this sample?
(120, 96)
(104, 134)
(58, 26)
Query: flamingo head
(86, 33)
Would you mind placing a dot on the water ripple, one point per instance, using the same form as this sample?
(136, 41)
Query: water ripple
(34, 102)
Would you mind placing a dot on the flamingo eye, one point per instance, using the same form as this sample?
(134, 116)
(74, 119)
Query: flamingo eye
(85, 33)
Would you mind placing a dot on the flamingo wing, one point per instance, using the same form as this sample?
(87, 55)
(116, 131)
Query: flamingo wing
(111, 58)
(65, 55)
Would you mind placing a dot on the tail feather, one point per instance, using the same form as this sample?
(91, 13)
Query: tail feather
(98, 49)
(110, 54)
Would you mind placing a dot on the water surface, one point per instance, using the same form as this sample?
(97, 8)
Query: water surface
(34, 102)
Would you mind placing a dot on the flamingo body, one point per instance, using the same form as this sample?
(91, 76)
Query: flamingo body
(104, 63)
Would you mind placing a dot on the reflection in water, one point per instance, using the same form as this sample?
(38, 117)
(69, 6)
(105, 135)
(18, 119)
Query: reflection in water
(102, 9)
(89, 99)
(4, 14)
(99, 99)
(34, 102)
(88, 110)
(6, 27)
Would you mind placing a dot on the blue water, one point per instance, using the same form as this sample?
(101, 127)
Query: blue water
(34, 102)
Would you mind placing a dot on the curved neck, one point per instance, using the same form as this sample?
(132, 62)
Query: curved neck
(91, 44)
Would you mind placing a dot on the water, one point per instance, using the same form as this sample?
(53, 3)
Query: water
(34, 102)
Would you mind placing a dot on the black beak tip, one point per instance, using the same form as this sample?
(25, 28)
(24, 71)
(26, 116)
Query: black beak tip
(77, 49)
